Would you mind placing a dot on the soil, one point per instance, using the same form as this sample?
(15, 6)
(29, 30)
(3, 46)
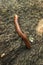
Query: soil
(12, 48)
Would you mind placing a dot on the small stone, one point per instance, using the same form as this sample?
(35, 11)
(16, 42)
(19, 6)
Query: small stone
(2, 55)
(39, 28)
(31, 38)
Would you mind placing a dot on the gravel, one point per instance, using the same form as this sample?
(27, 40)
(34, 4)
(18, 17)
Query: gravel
(11, 45)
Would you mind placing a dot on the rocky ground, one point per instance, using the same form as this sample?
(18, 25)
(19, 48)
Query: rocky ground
(12, 48)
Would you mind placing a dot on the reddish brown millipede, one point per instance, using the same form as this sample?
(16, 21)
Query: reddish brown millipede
(20, 33)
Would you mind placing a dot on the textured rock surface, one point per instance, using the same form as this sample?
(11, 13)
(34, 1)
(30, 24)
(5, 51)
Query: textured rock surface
(12, 47)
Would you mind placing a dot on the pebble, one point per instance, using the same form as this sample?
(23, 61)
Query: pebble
(31, 38)
(2, 55)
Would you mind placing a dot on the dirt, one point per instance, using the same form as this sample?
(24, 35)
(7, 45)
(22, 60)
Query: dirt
(12, 48)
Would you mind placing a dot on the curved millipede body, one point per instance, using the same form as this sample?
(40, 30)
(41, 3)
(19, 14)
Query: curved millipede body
(20, 33)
